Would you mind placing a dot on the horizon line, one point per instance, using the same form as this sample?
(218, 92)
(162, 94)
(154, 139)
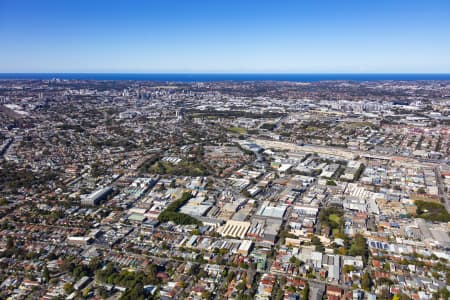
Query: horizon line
(237, 73)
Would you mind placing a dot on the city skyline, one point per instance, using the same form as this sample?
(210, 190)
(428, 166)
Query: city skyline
(225, 37)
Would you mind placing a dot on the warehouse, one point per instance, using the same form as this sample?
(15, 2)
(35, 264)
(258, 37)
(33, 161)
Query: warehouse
(245, 247)
(96, 197)
(234, 229)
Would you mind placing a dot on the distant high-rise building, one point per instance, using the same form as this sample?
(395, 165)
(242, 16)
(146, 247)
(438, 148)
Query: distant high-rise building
(180, 114)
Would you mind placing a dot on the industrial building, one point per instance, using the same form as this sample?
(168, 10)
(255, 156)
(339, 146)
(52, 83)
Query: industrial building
(234, 229)
(96, 197)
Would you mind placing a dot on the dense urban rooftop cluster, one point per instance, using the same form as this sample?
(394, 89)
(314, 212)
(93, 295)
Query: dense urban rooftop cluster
(224, 190)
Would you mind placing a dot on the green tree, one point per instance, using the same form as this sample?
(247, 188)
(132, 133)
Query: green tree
(348, 268)
(242, 285)
(230, 276)
(9, 243)
(316, 242)
(45, 274)
(86, 292)
(206, 295)
(305, 292)
(101, 292)
(331, 182)
(3, 201)
(366, 282)
(359, 247)
(68, 287)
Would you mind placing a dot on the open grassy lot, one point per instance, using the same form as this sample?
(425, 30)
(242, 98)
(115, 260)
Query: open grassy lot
(238, 130)
(184, 168)
(334, 218)
(432, 211)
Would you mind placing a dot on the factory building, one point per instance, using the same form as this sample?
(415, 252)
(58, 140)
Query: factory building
(96, 197)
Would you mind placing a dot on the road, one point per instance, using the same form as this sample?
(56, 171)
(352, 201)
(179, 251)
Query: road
(5, 146)
(235, 269)
(441, 188)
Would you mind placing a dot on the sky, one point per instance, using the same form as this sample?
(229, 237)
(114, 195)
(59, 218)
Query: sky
(230, 36)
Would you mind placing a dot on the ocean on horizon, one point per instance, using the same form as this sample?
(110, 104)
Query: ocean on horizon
(211, 77)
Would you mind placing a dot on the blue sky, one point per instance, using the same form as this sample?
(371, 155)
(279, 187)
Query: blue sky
(314, 36)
